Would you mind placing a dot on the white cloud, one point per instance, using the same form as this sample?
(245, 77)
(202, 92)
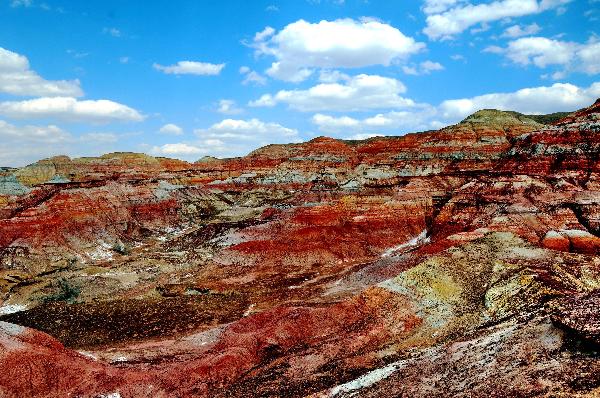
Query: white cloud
(536, 100)
(171, 129)
(22, 145)
(191, 68)
(395, 122)
(70, 109)
(543, 52)
(265, 100)
(446, 19)
(252, 77)
(410, 70)
(228, 107)
(424, 68)
(540, 51)
(332, 76)
(288, 72)
(590, 58)
(41, 134)
(246, 130)
(363, 136)
(178, 149)
(124, 60)
(429, 66)
(264, 34)
(518, 31)
(234, 137)
(255, 78)
(494, 49)
(17, 78)
(361, 92)
(301, 46)
(331, 124)
(484, 27)
(439, 6)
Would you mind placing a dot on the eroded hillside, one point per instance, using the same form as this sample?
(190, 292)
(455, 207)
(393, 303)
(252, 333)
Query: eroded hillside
(458, 262)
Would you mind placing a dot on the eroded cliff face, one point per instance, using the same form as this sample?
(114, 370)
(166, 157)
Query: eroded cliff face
(458, 262)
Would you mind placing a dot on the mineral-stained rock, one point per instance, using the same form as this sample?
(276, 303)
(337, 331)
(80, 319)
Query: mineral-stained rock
(458, 262)
(580, 314)
(520, 358)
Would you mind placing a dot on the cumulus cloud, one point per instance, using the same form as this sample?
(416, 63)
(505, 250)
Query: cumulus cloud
(410, 70)
(438, 6)
(177, 150)
(228, 107)
(543, 52)
(17, 78)
(363, 136)
(252, 77)
(331, 124)
(395, 122)
(361, 92)
(246, 130)
(56, 98)
(537, 100)
(332, 76)
(515, 31)
(171, 129)
(40, 134)
(25, 144)
(190, 68)
(424, 68)
(70, 109)
(301, 47)
(430, 66)
(445, 19)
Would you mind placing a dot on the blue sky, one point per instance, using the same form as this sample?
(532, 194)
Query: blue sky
(187, 79)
